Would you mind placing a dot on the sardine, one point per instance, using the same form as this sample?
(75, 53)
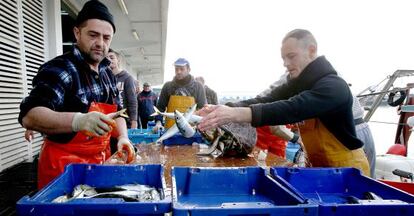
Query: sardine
(189, 114)
(82, 191)
(158, 112)
(183, 126)
(169, 133)
(211, 149)
(128, 192)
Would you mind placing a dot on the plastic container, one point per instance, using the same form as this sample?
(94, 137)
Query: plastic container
(178, 139)
(233, 191)
(291, 150)
(151, 124)
(98, 176)
(343, 191)
(142, 136)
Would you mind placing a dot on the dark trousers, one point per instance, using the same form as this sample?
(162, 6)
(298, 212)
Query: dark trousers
(144, 121)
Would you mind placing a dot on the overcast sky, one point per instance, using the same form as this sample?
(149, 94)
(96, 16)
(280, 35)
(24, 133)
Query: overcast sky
(235, 44)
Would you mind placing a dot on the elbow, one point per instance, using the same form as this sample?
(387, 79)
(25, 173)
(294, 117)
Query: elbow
(26, 122)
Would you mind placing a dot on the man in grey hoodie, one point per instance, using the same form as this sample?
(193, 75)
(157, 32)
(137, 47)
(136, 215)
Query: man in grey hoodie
(126, 88)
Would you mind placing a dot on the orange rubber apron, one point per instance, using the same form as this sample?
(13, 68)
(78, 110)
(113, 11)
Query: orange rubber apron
(324, 150)
(81, 149)
(180, 103)
(267, 141)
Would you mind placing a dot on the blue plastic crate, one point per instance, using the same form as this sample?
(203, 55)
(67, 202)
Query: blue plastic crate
(178, 139)
(336, 191)
(233, 191)
(151, 124)
(144, 136)
(98, 176)
(291, 150)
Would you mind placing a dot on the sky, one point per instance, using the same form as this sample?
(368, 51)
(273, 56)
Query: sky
(235, 44)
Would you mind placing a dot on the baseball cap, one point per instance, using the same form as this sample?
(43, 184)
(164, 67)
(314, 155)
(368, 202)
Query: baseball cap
(181, 62)
(147, 84)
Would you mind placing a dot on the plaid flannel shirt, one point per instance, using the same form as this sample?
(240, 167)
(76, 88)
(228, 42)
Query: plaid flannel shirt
(67, 84)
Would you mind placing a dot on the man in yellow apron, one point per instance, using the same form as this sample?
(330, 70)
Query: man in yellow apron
(180, 93)
(315, 96)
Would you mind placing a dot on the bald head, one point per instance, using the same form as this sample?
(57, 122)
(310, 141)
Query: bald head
(304, 36)
(299, 48)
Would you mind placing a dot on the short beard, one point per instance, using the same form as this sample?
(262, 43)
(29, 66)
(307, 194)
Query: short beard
(89, 57)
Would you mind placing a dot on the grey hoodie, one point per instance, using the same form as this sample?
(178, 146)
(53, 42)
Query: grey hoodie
(127, 95)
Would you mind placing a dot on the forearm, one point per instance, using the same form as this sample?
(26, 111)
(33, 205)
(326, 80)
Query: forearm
(121, 127)
(242, 114)
(47, 121)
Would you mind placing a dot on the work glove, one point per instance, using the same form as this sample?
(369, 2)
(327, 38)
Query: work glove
(282, 131)
(125, 149)
(158, 126)
(92, 123)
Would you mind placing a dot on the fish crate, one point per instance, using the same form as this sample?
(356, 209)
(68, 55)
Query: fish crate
(98, 176)
(291, 150)
(344, 191)
(142, 136)
(233, 191)
(178, 139)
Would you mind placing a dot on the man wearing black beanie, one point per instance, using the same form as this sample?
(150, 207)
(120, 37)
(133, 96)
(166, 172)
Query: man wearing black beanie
(74, 98)
(94, 10)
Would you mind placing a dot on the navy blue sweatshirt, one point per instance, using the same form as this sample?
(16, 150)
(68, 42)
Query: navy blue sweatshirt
(318, 92)
(146, 102)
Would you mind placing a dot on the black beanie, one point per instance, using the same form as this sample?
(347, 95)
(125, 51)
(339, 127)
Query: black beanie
(94, 9)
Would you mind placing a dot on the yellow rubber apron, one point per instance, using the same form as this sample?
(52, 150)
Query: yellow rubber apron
(180, 103)
(324, 150)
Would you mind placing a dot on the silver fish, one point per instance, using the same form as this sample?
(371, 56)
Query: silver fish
(128, 192)
(82, 191)
(190, 112)
(190, 118)
(183, 126)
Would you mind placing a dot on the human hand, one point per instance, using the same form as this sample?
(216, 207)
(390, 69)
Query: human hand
(29, 135)
(216, 115)
(158, 126)
(125, 148)
(92, 123)
(208, 108)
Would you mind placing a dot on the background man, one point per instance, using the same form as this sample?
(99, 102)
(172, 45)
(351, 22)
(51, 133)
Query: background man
(147, 99)
(180, 93)
(126, 88)
(211, 95)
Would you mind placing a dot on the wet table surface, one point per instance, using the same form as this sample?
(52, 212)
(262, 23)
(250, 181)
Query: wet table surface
(185, 155)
